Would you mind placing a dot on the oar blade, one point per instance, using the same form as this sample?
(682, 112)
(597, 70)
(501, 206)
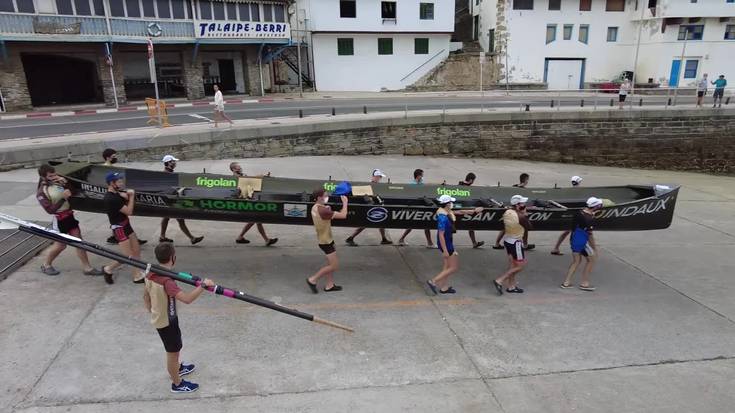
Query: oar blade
(333, 324)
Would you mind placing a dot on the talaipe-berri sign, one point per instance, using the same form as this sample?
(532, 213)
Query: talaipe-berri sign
(243, 30)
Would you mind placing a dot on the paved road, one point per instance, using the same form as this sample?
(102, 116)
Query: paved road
(657, 336)
(40, 127)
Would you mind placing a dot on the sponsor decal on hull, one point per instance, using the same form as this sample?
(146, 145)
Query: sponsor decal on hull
(98, 192)
(228, 205)
(215, 182)
(651, 207)
(377, 214)
(294, 210)
(454, 192)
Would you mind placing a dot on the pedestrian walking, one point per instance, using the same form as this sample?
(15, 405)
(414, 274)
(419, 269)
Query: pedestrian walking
(219, 107)
(576, 181)
(523, 182)
(120, 205)
(159, 297)
(445, 218)
(625, 88)
(169, 164)
(583, 244)
(702, 86)
(720, 84)
(236, 169)
(322, 216)
(418, 179)
(53, 195)
(470, 179)
(376, 177)
(516, 224)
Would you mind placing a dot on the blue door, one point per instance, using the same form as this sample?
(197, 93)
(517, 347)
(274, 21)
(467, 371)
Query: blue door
(674, 78)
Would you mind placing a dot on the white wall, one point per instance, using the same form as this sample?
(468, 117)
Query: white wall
(324, 16)
(702, 8)
(368, 71)
(487, 11)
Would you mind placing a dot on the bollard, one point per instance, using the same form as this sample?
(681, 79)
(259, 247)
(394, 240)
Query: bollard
(364, 110)
(727, 101)
(669, 102)
(552, 103)
(405, 113)
(612, 102)
(640, 102)
(581, 104)
(301, 113)
(333, 112)
(528, 107)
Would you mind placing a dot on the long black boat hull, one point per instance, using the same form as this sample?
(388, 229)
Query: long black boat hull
(635, 208)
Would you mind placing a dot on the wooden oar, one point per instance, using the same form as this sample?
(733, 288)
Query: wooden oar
(186, 278)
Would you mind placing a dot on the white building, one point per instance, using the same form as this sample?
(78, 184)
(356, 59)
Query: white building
(570, 43)
(369, 45)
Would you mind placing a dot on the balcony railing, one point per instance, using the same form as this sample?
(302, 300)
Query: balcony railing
(39, 25)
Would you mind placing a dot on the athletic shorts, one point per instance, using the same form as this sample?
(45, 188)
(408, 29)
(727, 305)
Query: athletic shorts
(700, 93)
(515, 250)
(719, 93)
(171, 337)
(328, 248)
(122, 232)
(621, 98)
(450, 248)
(67, 224)
(585, 251)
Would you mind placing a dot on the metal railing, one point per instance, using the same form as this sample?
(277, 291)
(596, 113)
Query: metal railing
(139, 28)
(28, 24)
(423, 64)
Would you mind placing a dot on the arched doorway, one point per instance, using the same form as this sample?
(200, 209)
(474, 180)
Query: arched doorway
(61, 80)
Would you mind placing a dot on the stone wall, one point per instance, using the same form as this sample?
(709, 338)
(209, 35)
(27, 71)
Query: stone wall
(13, 82)
(684, 140)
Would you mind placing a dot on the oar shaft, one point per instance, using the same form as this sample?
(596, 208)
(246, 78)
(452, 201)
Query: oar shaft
(183, 277)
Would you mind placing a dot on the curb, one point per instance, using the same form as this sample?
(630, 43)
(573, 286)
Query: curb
(82, 112)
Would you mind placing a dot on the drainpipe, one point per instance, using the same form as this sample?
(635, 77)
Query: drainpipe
(637, 49)
(260, 68)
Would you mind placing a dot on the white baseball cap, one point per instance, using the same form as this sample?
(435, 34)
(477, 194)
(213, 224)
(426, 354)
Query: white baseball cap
(168, 158)
(593, 202)
(445, 199)
(576, 179)
(378, 172)
(518, 199)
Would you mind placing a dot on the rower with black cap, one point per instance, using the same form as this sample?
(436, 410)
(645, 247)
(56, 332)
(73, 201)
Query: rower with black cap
(109, 155)
(445, 218)
(516, 224)
(583, 244)
(169, 164)
(418, 179)
(576, 181)
(119, 205)
(376, 177)
(468, 181)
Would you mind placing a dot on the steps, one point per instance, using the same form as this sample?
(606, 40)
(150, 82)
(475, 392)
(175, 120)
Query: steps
(17, 248)
(460, 71)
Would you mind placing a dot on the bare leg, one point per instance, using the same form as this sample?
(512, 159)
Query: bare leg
(261, 229)
(327, 271)
(515, 268)
(172, 366)
(587, 270)
(383, 235)
(446, 268)
(576, 258)
(403, 237)
(499, 238)
(245, 229)
(356, 233)
(452, 265)
(227, 118)
(561, 239)
(53, 253)
(164, 227)
(184, 228)
(429, 242)
(81, 253)
(472, 237)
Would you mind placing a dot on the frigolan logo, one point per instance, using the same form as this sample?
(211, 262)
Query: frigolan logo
(377, 214)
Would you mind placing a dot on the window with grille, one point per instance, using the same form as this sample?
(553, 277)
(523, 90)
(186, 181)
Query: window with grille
(421, 46)
(385, 46)
(612, 34)
(584, 33)
(345, 47)
(388, 9)
(550, 33)
(568, 28)
(691, 31)
(554, 4)
(426, 11)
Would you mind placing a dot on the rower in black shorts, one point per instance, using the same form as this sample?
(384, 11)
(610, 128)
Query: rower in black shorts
(119, 204)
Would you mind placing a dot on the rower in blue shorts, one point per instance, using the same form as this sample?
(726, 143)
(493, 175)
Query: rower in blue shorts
(583, 244)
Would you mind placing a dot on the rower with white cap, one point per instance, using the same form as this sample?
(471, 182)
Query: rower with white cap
(583, 244)
(169, 164)
(375, 178)
(576, 181)
(445, 218)
(516, 225)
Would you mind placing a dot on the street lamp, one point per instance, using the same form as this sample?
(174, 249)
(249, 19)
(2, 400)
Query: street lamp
(682, 66)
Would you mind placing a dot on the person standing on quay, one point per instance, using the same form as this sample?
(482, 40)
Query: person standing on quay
(720, 84)
(169, 164)
(583, 244)
(322, 216)
(623, 92)
(219, 107)
(445, 219)
(418, 179)
(702, 86)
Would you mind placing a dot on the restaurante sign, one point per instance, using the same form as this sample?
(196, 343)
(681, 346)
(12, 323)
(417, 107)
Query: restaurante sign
(243, 30)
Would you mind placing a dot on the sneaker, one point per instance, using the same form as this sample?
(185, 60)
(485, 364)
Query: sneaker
(516, 290)
(351, 242)
(94, 271)
(142, 241)
(164, 239)
(139, 278)
(196, 240)
(479, 244)
(184, 387)
(386, 242)
(112, 240)
(271, 242)
(49, 270)
(242, 241)
(108, 276)
(335, 287)
(529, 247)
(449, 290)
(185, 369)
(498, 287)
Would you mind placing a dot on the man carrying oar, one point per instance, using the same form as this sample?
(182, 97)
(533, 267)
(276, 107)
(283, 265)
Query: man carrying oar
(160, 296)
